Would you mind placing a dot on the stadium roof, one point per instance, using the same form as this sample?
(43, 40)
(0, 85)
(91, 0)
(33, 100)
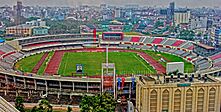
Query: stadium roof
(205, 46)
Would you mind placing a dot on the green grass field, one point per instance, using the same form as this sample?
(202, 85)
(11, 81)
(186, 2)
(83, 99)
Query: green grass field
(188, 67)
(28, 63)
(125, 63)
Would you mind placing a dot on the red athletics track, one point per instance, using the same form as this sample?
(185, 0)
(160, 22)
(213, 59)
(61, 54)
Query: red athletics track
(38, 65)
(55, 61)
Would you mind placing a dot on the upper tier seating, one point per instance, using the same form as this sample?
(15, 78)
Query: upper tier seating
(216, 56)
(157, 40)
(148, 40)
(187, 45)
(126, 39)
(135, 39)
(169, 42)
(41, 44)
(177, 43)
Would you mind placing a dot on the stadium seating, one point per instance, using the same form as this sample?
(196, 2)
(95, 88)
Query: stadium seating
(179, 52)
(216, 56)
(169, 42)
(126, 39)
(163, 49)
(40, 44)
(217, 60)
(164, 40)
(142, 39)
(218, 64)
(177, 43)
(148, 40)
(1, 52)
(186, 45)
(191, 47)
(146, 47)
(200, 61)
(5, 48)
(185, 54)
(203, 66)
(172, 51)
(5, 65)
(9, 53)
(135, 39)
(157, 40)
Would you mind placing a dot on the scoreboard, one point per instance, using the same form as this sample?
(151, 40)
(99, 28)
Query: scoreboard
(79, 68)
(112, 36)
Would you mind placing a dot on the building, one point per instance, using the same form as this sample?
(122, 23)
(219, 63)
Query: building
(36, 27)
(20, 30)
(170, 12)
(218, 37)
(39, 30)
(199, 23)
(179, 93)
(117, 13)
(19, 8)
(163, 12)
(181, 17)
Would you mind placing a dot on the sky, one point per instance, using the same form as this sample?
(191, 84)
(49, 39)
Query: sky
(158, 3)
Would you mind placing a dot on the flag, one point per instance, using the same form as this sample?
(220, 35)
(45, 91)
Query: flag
(118, 83)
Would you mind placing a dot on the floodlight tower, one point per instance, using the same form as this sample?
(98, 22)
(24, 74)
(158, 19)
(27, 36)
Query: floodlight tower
(108, 69)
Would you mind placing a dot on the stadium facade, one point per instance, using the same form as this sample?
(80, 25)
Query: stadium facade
(178, 94)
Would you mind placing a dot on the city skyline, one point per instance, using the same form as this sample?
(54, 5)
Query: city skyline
(74, 3)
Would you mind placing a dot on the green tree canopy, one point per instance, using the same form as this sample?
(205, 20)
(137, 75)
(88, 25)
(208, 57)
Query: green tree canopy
(19, 104)
(69, 109)
(44, 106)
(98, 103)
(186, 34)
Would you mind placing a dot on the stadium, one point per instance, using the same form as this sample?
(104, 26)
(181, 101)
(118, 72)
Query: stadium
(45, 66)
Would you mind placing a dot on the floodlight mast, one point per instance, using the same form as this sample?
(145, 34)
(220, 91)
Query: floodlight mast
(107, 59)
(108, 66)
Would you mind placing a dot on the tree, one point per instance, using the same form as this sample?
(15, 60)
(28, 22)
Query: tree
(69, 109)
(44, 106)
(98, 103)
(19, 104)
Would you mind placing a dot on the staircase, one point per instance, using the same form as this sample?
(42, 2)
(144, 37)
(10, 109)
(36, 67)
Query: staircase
(6, 106)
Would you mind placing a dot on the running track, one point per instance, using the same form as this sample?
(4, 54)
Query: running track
(38, 65)
(54, 63)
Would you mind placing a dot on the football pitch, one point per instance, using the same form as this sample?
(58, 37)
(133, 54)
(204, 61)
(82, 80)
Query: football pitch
(125, 63)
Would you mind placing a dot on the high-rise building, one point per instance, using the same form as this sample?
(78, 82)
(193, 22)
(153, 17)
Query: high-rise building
(103, 6)
(172, 8)
(199, 22)
(170, 12)
(217, 37)
(19, 8)
(181, 17)
(180, 93)
(117, 13)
